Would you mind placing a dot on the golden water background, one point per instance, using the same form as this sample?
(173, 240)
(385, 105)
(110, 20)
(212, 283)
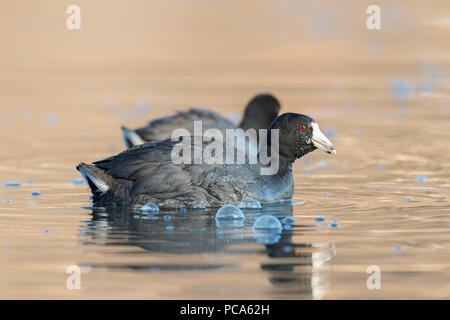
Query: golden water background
(381, 95)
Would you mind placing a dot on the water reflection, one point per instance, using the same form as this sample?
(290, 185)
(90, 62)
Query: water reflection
(294, 269)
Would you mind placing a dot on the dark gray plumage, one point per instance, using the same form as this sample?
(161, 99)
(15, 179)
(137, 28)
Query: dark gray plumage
(259, 114)
(147, 173)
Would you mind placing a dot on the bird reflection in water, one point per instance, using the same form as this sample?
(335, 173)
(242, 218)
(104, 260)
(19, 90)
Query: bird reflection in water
(293, 267)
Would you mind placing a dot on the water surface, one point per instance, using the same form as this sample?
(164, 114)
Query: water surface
(381, 97)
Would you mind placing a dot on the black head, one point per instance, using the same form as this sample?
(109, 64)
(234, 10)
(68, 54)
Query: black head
(299, 135)
(260, 112)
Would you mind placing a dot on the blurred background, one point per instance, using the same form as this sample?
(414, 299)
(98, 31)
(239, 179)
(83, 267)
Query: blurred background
(381, 96)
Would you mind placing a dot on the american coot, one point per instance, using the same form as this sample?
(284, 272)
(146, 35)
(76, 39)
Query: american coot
(259, 114)
(146, 173)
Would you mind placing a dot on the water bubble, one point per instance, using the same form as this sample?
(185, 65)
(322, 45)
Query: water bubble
(320, 218)
(288, 220)
(287, 249)
(334, 224)
(183, 211)
(12, 184)
(229, 212)
(149, 208)
(30, 181)
(401, 87)
(249, 203)
(8, 201)
(169, 228)
(36, 193)
(325, 193)
(81, 232)
(421, 178)
(287, 227)
(399, 248)
(267, 236)
(407, 199)
(229, 224)
(77, 182)
(167, 217)
(52, 119)
(267, 222)
(136, 216)
(46, 230)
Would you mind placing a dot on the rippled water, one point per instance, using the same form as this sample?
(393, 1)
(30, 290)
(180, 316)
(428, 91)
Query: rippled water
(381, 98)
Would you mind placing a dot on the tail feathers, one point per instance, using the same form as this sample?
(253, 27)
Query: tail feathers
(131, 138)
(95, 177)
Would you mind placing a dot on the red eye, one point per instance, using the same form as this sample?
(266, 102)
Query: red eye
(302, 128)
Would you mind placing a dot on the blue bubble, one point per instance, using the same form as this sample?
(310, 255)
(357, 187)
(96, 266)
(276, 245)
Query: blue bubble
(12, 184)
(287, 227)
(77, 182)
(401, 88)
(320, 218)
(149, 208)
(136, 216)
(8, 201)
(183, 211)
(52, 119)
(267, 222)
(334, 224)
(266, 236)
(287, 249)
(325, 193)
(288, 220)
(167, 217)
(169, 228)
(46, 230)
(36, 193)
(228, 224)
(421, 178)
(407, 199)
(249, 203)
(399, 248)
(229, 212)
(81, 232)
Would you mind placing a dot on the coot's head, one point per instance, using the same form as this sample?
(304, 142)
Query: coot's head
(260, 112)
(298, 135)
